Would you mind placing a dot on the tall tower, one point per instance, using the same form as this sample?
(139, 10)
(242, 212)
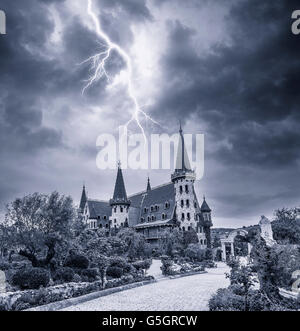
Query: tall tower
(119, 203)
(206, 221)
(183, 179)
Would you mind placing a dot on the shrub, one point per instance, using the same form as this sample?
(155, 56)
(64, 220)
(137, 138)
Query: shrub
(77, 261)
(196, 253)
(142, 265)
(166, 266)
(64, 274)
(90, 274)
(114, 272)
(77, 278)
(4, 266)
(31, 278)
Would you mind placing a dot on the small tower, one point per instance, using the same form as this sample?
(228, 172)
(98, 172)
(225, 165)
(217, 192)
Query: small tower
(148, 185)
(119, 203)
(266, 231)
(183, 179)
(206, 221)
(83, 201)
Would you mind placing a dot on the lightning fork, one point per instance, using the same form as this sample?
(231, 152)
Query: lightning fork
(98, 65)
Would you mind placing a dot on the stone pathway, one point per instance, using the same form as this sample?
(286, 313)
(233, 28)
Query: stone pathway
(187, 293)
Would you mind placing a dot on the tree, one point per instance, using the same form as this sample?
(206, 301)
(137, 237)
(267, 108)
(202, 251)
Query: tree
(243, 277)
(286, 226)
(265, 261)
(190, 237)
(39, 223)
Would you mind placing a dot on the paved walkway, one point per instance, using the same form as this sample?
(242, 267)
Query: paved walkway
(186, 293)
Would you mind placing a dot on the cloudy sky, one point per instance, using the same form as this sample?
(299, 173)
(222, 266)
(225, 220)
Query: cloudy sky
(227, 69)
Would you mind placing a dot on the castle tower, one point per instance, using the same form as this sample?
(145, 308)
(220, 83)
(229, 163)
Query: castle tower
(183, 179)
(83, 200)
(206, 221)
(148, 185)
(119, 203)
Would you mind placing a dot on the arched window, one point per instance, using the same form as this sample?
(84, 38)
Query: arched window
(104, 217)
(182, 203)
(152, 218)
(148, 219)
(167, 205)
(121, 209)
(186, 189)
(182, 216)
(145, 210)
(201, 242)
(188, 203)
(188, 216)
(100, 225)
(183, 228)
(205, 241)
(180, 189)
(115, 209)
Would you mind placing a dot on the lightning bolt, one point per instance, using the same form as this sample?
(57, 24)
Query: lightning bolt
(98, 64)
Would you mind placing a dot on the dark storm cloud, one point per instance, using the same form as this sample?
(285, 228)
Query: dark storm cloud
(254, 79)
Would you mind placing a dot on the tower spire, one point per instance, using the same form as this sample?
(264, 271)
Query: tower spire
(120, 195)
(148, 185)
(183, 166)
(83, 199)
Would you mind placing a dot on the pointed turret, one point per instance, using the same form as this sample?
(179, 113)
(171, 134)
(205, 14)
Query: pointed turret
(205, 208)
(183, 167)
(148, 185)
(83, 199)
(120, 195)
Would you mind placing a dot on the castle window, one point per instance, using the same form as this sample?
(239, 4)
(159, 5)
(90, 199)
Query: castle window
(205, 241)
(105, 218)
(152, 218)
(195, 205)
(106, 225)
(201, 242)
(183, 228)
(164, 216)
(189, 228)
(152, 208)
(100, 225)
(148, 219)
(188, 203)
(167, 205)
(180, 189)
(157, 208)
(188, 216)
(142, 219)
(99, 217)
(115, 221)
(115, 209)
(145, 210)
(186, 189)
(121, 209)
(182, 216)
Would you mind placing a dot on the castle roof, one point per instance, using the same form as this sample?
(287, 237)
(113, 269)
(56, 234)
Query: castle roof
(120, 195)
(205, 208)
(83, 199)
(156, 197)
(182, 160)
(99, 208)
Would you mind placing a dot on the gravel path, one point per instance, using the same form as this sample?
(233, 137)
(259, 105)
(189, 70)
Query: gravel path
(186, 293)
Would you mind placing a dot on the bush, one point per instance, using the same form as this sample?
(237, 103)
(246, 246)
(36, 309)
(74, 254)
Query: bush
(31, 278)
(142, 265)
(77, 261)
(90, 274)
(64, 274)
(230, 299)
(196, 253)
(114, 272)
(4, 266)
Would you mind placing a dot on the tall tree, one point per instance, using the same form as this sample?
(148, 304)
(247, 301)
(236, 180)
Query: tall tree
(40, 222)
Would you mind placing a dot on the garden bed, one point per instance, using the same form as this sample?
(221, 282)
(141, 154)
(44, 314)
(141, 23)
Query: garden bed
(22, 300)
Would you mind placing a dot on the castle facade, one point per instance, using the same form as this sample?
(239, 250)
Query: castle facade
(151, 212)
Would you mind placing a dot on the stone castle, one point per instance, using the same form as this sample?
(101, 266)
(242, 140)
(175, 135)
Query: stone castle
(171, 205)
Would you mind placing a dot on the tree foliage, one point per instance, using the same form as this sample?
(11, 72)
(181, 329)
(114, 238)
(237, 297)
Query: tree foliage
(38, 223)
